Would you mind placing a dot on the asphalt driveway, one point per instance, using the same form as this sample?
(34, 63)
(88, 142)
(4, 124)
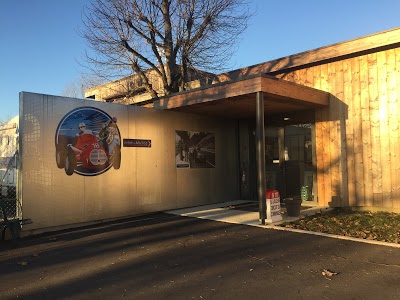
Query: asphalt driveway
(162, 256)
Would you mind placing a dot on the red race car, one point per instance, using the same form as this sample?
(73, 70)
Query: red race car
(87, 153)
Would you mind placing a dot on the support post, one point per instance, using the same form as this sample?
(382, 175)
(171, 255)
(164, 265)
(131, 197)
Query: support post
(260, 152)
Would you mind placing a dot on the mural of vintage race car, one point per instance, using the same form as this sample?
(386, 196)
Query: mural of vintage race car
(88, 153)
(91, 151)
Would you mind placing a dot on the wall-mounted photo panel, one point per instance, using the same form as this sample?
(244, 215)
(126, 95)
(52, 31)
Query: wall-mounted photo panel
(194, 149)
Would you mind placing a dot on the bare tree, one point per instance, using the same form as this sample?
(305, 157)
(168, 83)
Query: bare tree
(76, 88)
(5, 118)
(173, 38)
(73, 89)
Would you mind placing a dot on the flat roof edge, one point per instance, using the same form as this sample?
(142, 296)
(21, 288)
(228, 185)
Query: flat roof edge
(374, 42)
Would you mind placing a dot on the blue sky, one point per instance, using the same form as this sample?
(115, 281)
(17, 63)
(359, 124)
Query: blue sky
(41, 47)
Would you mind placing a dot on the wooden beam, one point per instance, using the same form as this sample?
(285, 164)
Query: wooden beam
(284, 90)
(291, 90)
(211, 93)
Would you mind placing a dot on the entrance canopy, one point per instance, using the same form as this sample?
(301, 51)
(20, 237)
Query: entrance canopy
(236, 99)
(250, 97)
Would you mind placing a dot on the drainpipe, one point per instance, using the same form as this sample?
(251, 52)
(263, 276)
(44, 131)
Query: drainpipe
(260, 152)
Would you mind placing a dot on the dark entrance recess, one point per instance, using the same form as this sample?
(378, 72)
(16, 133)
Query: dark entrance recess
(289, 156)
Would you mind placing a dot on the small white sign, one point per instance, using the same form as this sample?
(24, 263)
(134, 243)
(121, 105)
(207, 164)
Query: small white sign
(274, 208)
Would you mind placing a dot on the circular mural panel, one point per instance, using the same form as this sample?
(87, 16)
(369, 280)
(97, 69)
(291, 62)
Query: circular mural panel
(88, 142)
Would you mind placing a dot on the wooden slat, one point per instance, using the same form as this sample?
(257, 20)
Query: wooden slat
(341, 134)
(366, 131)
(319, 141)
(334, 137)
(326, 153)
(348, 141)
(375, 129)
(385, 162)
(355, 118)
(309, 77)
(301, 78)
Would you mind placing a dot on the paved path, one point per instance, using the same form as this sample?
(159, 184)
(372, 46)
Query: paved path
(165, 256)
(235, 212)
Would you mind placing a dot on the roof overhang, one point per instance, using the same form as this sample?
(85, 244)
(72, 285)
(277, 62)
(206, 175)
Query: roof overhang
(236, 99)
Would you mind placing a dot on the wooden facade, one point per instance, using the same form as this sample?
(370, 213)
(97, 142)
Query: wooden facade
(358, 135)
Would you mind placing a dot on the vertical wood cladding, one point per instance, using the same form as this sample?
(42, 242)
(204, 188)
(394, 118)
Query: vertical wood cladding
(357, 137)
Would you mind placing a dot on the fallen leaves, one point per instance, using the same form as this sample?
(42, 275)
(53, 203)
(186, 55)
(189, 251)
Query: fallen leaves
(327, 273)
(380, 226)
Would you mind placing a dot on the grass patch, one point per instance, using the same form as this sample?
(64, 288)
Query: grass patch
(379, 226)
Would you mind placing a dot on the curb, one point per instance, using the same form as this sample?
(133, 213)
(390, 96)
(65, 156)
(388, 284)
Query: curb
(340, 237)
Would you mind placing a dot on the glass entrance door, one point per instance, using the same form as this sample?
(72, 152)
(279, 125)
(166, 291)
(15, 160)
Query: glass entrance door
(290, 160)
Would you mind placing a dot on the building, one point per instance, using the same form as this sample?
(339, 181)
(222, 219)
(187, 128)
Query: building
(322, 124)
(130, 90)
(345, 151)
(8, 151)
